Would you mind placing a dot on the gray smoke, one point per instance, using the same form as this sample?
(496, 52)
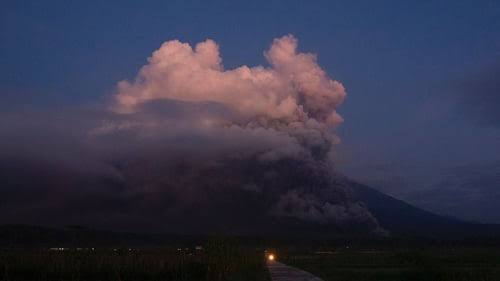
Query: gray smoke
(188, 146)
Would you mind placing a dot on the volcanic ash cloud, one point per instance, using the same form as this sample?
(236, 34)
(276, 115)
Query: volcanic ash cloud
(293, 96)
(188, 146)
(259, 130)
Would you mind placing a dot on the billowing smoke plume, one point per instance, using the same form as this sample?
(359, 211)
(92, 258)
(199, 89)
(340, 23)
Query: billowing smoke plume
(189, 146)
(294, 96)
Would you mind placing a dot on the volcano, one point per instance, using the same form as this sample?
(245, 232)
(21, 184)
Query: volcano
(288, 197)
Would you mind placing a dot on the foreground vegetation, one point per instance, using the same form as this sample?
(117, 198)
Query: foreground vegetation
(219, 260)
(228, 259)
(429, 264)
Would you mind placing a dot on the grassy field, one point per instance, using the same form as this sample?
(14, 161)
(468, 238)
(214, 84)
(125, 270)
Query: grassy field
(219, 260)
(465, 264)
(231, 259)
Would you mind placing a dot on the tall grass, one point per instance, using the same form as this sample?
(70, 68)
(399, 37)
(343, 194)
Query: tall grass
(409, 265)
(221, 260)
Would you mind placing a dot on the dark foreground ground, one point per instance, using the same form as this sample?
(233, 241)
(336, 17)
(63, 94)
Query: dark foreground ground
(438, 263)
(77, 255)
(219, 259)
(240, 263)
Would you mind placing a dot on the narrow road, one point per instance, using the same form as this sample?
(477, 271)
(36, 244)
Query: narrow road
(283, 272)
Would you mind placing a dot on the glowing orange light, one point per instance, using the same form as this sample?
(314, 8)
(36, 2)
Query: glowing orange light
(270, 257)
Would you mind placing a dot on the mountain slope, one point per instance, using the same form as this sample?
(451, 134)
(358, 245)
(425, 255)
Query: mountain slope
(241, 196)
(401, 218)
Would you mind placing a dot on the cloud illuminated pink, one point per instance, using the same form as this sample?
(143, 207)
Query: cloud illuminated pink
(292, 95)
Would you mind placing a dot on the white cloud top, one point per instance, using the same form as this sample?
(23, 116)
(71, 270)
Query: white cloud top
(293, 95)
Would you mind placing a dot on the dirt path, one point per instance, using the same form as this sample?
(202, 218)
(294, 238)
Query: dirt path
(283, 272)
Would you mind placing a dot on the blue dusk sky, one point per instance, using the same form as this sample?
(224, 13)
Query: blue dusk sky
(422, 110)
